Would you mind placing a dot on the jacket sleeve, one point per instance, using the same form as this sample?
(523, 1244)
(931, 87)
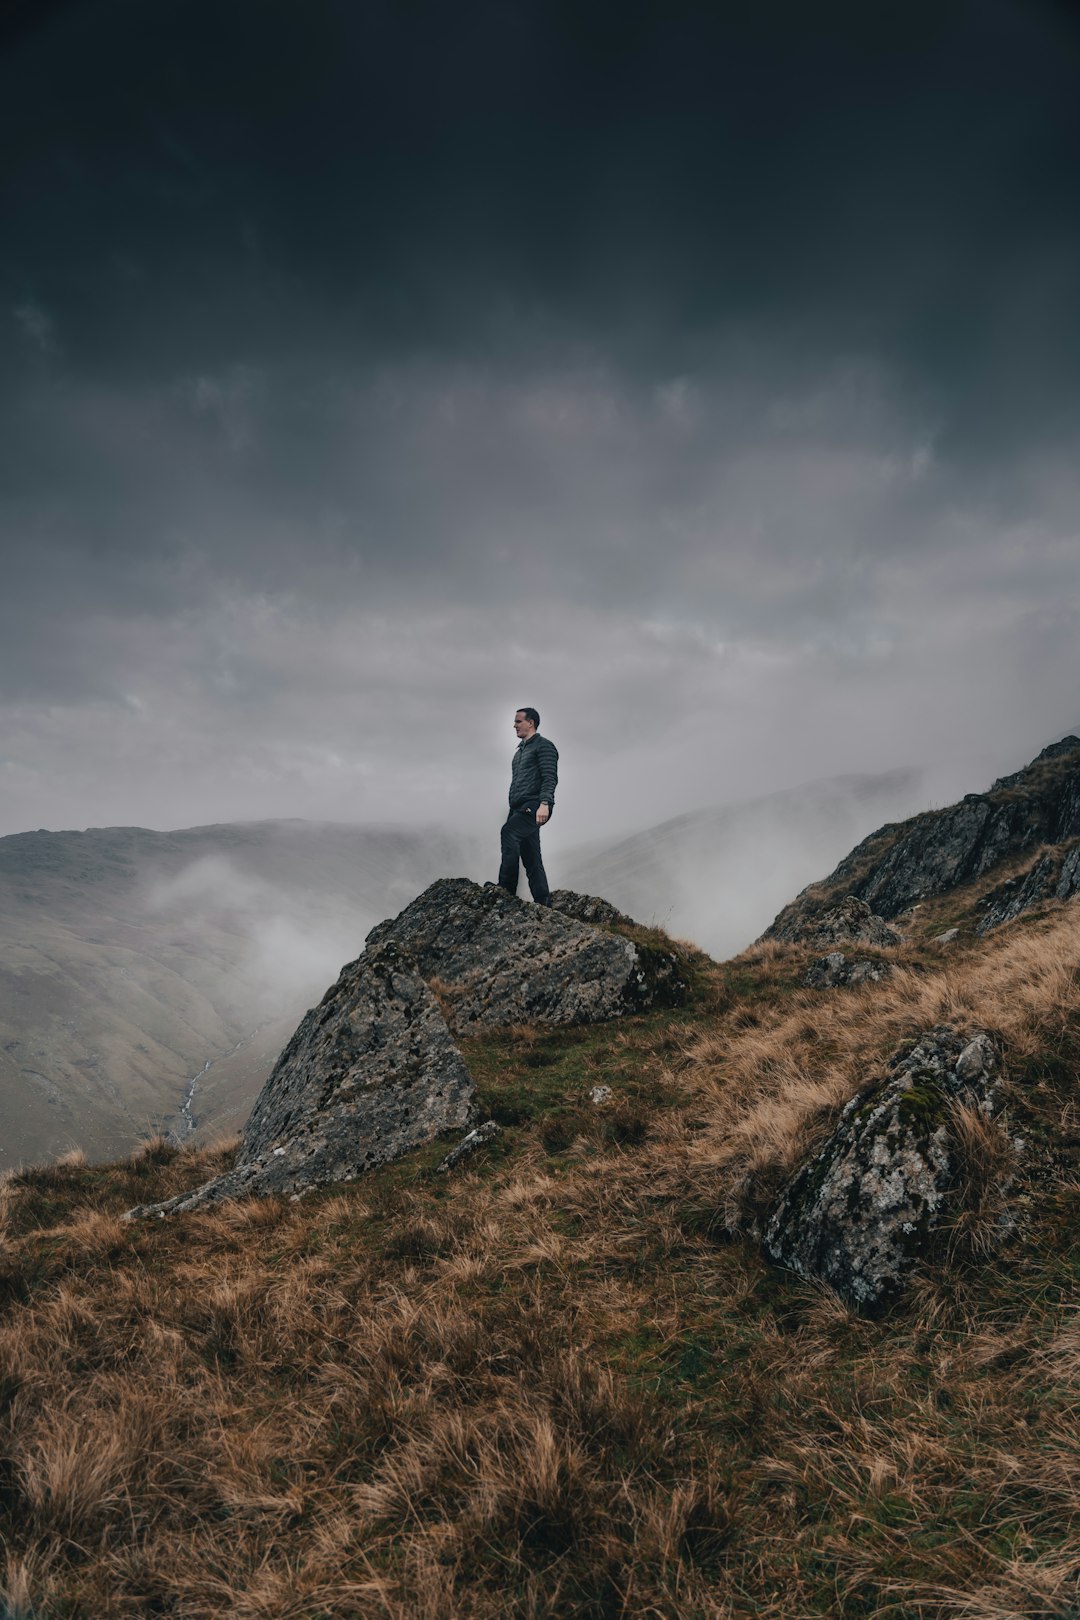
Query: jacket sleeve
(548, 761)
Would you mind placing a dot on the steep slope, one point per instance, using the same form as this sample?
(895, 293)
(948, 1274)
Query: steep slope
(1005, 851)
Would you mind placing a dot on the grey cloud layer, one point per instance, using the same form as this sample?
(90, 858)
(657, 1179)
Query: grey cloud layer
(706, 376)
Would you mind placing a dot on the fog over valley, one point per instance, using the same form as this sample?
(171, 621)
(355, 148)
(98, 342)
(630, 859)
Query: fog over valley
(132, 959)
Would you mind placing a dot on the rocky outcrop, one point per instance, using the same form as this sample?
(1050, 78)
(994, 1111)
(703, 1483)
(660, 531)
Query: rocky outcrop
(1017, 894)
(861, 1210)
(852, 922)
(494, 960)
(1058, 750)
(371, 1073)
(1068, 882)
(1055, 875)
(836, 971)
(590, 908)
(941, 850)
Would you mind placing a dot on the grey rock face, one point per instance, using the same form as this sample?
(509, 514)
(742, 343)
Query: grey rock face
(835, 971)
(1054, 876)
(944, 849)
(470, 1144)
(860, 1212)
(1017, 895)
(590, 908)
(940, 852)
(1068, 882)
(494, 960)
(371, 1073)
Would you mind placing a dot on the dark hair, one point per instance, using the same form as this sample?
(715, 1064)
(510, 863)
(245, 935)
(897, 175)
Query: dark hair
(530, 714)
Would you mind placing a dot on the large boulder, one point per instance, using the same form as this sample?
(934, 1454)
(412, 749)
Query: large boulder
(493, 959)
(862, 1209)
(852, 923)
(371, 1073)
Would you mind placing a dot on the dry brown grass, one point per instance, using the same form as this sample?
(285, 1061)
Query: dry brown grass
(541, 1387)
(777, 1078)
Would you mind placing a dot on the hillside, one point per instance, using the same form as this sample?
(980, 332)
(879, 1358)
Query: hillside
(565, 1379)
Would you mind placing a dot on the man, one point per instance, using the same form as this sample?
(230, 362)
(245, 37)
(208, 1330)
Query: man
(533, 775)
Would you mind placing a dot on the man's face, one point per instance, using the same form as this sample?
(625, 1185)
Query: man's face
(522, 726)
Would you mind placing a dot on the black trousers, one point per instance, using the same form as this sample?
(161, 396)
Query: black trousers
(521, 842)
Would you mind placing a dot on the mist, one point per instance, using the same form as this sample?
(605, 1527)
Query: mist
(718, 877)
(288, 947)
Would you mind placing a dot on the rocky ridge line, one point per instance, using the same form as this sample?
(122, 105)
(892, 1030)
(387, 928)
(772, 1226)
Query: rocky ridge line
(940, 850)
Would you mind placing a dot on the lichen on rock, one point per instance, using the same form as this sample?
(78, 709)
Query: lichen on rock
(863, 1208)
(836, 971)
(495, 960)
(371, 1073)
(590, 908)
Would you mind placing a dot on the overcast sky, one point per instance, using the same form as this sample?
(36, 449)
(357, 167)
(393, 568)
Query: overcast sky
(704, 375)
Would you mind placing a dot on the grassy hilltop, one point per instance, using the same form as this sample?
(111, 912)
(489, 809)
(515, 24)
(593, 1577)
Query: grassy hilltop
(565, 1381)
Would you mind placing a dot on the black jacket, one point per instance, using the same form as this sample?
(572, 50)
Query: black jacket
(534, 771)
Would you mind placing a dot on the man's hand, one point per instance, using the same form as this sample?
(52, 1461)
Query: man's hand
(542, 814)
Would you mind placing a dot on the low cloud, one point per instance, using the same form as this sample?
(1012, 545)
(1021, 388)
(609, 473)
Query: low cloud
(279, 947)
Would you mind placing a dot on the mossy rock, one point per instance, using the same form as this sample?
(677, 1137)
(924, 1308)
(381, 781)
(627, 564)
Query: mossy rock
(860, 1212)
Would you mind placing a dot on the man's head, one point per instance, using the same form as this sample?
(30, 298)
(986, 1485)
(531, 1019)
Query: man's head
(525, 723)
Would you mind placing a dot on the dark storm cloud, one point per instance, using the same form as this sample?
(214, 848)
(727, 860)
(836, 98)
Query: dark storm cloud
(394, 176)
(363, 366)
